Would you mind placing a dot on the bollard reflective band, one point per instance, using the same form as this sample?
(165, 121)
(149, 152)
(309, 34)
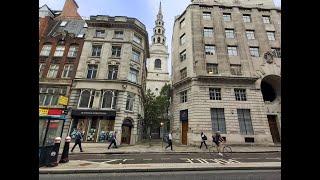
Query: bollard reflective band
(68, 139)
(57, 140)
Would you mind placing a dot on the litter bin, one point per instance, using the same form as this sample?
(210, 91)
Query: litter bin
(50, 127)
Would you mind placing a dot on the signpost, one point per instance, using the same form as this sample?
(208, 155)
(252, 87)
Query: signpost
(63, 100)
(43, 112)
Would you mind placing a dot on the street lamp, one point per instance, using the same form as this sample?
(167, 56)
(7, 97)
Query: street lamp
(162, 134)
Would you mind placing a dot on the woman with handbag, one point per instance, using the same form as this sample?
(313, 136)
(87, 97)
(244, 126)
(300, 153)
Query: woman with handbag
(203, 140)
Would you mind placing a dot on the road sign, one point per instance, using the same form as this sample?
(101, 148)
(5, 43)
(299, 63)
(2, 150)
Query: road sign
(63, 100)
(43, 112)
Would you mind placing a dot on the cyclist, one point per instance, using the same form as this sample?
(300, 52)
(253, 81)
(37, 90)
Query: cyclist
(216, 138)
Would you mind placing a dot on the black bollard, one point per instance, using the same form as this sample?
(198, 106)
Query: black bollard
(53, 160)
(65, 152)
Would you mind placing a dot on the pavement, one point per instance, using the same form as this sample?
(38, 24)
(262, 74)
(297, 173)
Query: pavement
(83, 166)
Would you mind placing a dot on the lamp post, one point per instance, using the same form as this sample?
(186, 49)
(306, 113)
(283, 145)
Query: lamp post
(162, 134)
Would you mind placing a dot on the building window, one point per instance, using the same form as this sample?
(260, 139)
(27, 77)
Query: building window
(208, 32)
(183, 39)
(254, 51)
(63, 23)
(118, 34)
(112, 72)
(245, 122)
(246, 18)
(266, 19)
(135, 56)
(96, 50)
(182, 24)
(229, 33)
(45, 51)
(183, 55)
(215, 93)
(212, 68)
(137, 39)
(116, 51)
(133, 75)
(235, 69)
(232, 51)
(92, 71)
(50, 96)
(206, 15)
(73, 51)
(59, 51)
(270, 35)
(250, 34)
(53, 71)
(226, 17)
(183, 73)
(157, 63)
(67, 71)
(86, 98)
(130, 101)
(100, 33)
(183, 96)
(276, 52)
(240, 94)
(41, 69)
(218, 120)
(109, 99)
(210, 49)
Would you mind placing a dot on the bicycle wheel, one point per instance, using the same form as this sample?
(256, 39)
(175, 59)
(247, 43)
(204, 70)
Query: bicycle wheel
(213, 150)
(227, 151)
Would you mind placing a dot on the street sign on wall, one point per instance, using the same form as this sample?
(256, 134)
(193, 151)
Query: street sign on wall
(63, 100)
(43, 112)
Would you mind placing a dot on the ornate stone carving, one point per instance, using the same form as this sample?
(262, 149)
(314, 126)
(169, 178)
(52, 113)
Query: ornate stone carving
(268, 57)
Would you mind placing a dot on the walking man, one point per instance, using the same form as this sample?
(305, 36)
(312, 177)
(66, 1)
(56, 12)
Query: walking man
(203, 140)
(78, 139)
(114, 140)
(170, 140)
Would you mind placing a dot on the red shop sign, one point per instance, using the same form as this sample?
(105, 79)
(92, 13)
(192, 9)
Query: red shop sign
(55, 112)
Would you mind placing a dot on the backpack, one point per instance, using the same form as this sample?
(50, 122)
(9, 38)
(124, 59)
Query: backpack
(204, 137)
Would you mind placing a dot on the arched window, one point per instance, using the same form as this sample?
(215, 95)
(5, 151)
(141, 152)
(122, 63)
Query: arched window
(157, 63)
(109, 99)
(159, 31)
(86, 98)
(158, 40)
(154, 40)
(130, 100)
(163, 41)
(155, 31)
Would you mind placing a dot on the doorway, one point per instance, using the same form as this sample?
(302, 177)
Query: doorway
(184, 132)
(274, 129)
(126, 130)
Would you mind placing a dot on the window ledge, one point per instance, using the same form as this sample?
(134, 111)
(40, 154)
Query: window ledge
(128, 111)
(114, 57)
(94, 56)
(117, 38)
(98, 37)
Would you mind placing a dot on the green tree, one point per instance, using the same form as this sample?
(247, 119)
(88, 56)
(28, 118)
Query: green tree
(156, 107)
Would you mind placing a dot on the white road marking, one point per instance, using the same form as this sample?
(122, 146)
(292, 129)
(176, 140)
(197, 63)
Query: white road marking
(147, 159)
(127, 159)
(236, 158)
(187, 160)
(111, 160)
(253, 158)
(274, 158)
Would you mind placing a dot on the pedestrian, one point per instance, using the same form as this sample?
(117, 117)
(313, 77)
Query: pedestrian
(78, 139)
(170, 140)
(114, 140)
(203, 140)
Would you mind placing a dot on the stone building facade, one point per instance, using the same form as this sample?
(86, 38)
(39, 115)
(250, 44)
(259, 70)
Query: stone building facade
(109, 87)
(226, 72)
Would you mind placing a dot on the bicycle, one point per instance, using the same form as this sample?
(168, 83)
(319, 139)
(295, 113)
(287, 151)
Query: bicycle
(226, 150)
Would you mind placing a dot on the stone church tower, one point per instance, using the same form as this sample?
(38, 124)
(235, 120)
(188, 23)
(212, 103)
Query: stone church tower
(157, 67)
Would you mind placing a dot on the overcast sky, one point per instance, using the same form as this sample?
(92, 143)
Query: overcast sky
(144, 10)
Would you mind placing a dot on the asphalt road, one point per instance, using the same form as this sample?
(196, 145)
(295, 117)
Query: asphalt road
(145, 158)
(194, 175)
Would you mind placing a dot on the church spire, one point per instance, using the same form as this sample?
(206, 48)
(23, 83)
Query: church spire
(158, 31)
(159, 16)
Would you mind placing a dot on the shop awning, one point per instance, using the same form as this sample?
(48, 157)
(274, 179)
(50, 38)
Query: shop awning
(52, 117)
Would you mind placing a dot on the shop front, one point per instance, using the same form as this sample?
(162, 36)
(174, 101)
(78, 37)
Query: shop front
(95, 125)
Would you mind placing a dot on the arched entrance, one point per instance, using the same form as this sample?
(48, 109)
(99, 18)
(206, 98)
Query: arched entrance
(127, 125)
(271, 92)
